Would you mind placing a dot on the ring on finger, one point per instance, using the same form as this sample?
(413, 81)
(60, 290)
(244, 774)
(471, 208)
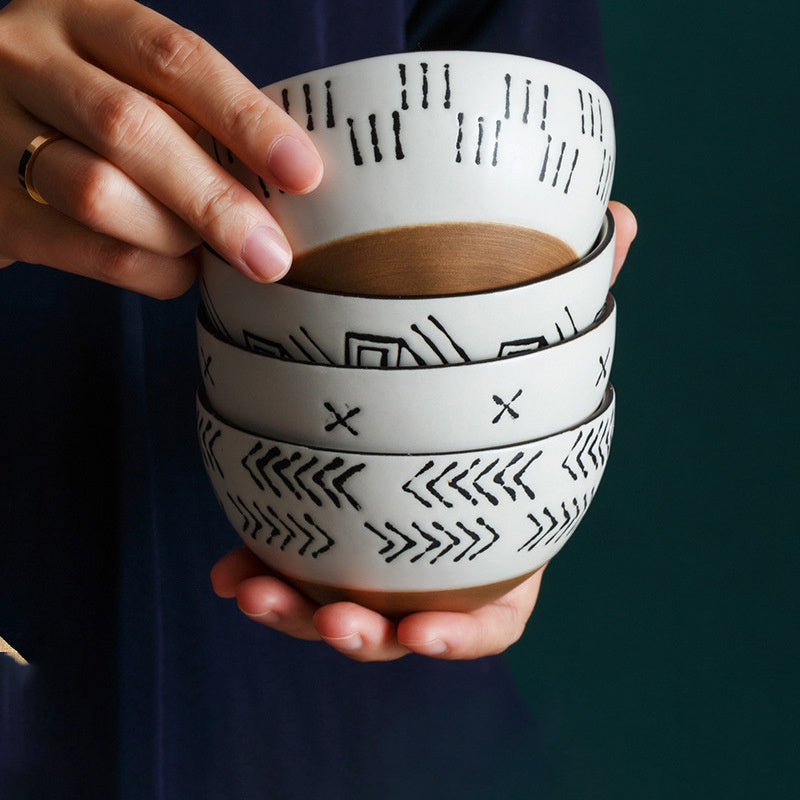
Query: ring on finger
(29, 156)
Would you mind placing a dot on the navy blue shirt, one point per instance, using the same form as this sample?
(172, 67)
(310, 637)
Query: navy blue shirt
(143, 684)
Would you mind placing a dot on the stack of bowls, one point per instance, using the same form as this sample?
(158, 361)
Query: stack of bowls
(420, 414)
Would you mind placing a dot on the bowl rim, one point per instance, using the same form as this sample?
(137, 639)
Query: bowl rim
(476, 55)
(604, 238)
(606, 313)
(609, 399)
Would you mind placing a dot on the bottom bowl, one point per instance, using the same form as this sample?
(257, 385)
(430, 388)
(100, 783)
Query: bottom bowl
(403, 533)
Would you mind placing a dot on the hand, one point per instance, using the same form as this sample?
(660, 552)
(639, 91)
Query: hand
(130, 192)
(365, 635)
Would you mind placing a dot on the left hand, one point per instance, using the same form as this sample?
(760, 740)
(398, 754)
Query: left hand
(365, 635)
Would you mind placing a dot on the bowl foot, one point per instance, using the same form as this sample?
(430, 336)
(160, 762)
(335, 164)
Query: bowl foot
(397, 604)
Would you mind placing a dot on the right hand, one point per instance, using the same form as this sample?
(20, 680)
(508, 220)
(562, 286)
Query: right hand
(130, 192)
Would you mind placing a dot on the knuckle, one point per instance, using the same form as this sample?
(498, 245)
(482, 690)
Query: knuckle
(247, 114)
(127, 266)
(121, 118)
(172, 52)
(93, 194)
(218, 203)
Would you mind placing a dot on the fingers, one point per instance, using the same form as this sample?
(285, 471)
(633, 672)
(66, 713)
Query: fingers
(127, 129)
(130, 88)
(262, 597)
(93, 191)
(487, 631)
(352, 630)
(152, 52)
(41, 235)
(365, 635)
(359, 633)
(626, 227)
(232, 569)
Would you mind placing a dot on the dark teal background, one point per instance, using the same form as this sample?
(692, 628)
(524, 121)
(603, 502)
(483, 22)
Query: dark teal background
(663, 654)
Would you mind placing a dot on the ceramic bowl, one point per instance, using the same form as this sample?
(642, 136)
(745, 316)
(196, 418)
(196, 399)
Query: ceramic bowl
(481, 169)
(309, 325)
(402, 533)
(440, 408)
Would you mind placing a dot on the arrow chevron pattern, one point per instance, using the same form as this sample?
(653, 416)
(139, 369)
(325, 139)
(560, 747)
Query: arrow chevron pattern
(418, 543)
(209, 438)
(271, 469)
(589, 450)
(283, 532)
(475, 483)
(552, 527)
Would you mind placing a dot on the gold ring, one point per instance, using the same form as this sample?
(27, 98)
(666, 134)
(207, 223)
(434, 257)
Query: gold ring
(32, 151)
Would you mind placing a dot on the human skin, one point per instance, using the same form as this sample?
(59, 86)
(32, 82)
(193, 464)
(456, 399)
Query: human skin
(119, 212)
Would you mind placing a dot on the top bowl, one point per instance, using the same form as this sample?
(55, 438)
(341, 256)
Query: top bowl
(302, 324)
(483, 169)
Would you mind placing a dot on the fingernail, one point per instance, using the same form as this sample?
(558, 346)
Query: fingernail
(268, 617)
(347, 643)
(294, 164)
(266, 254)
(434, 647)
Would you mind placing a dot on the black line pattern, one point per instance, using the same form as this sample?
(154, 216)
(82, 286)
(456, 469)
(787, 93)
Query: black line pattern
(206, 362)
(309, 115)
(398, 145)
(211, 310)
(468, 541)
(403, 94)
(330, 120)
(590, 450)
(341, 419)
(562, 149)
(591, 120)
(527, 110)
(478, 482)
(209, 437)
(606, 172)
(373, 132)
(551, 527)
(259, 344)
(496, 143)
(460, 136)
(518, 347)
(544, 107)
(603, 375)
(357, 159)
(480, 141)
(505, 406)
(269, 470)
(374, 124)
(435, 345)
(362, 349)
(561, 335)
(280, 531)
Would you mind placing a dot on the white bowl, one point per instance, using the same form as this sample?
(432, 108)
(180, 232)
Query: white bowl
(403, 533)
(360, 330)
(440, 408)
(445, 139)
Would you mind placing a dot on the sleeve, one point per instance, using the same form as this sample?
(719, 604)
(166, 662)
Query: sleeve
(567, 32)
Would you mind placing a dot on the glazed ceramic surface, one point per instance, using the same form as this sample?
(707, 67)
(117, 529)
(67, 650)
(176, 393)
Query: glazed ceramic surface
(406, 523)
(442, 137)
(306, 325)
(441, 408)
